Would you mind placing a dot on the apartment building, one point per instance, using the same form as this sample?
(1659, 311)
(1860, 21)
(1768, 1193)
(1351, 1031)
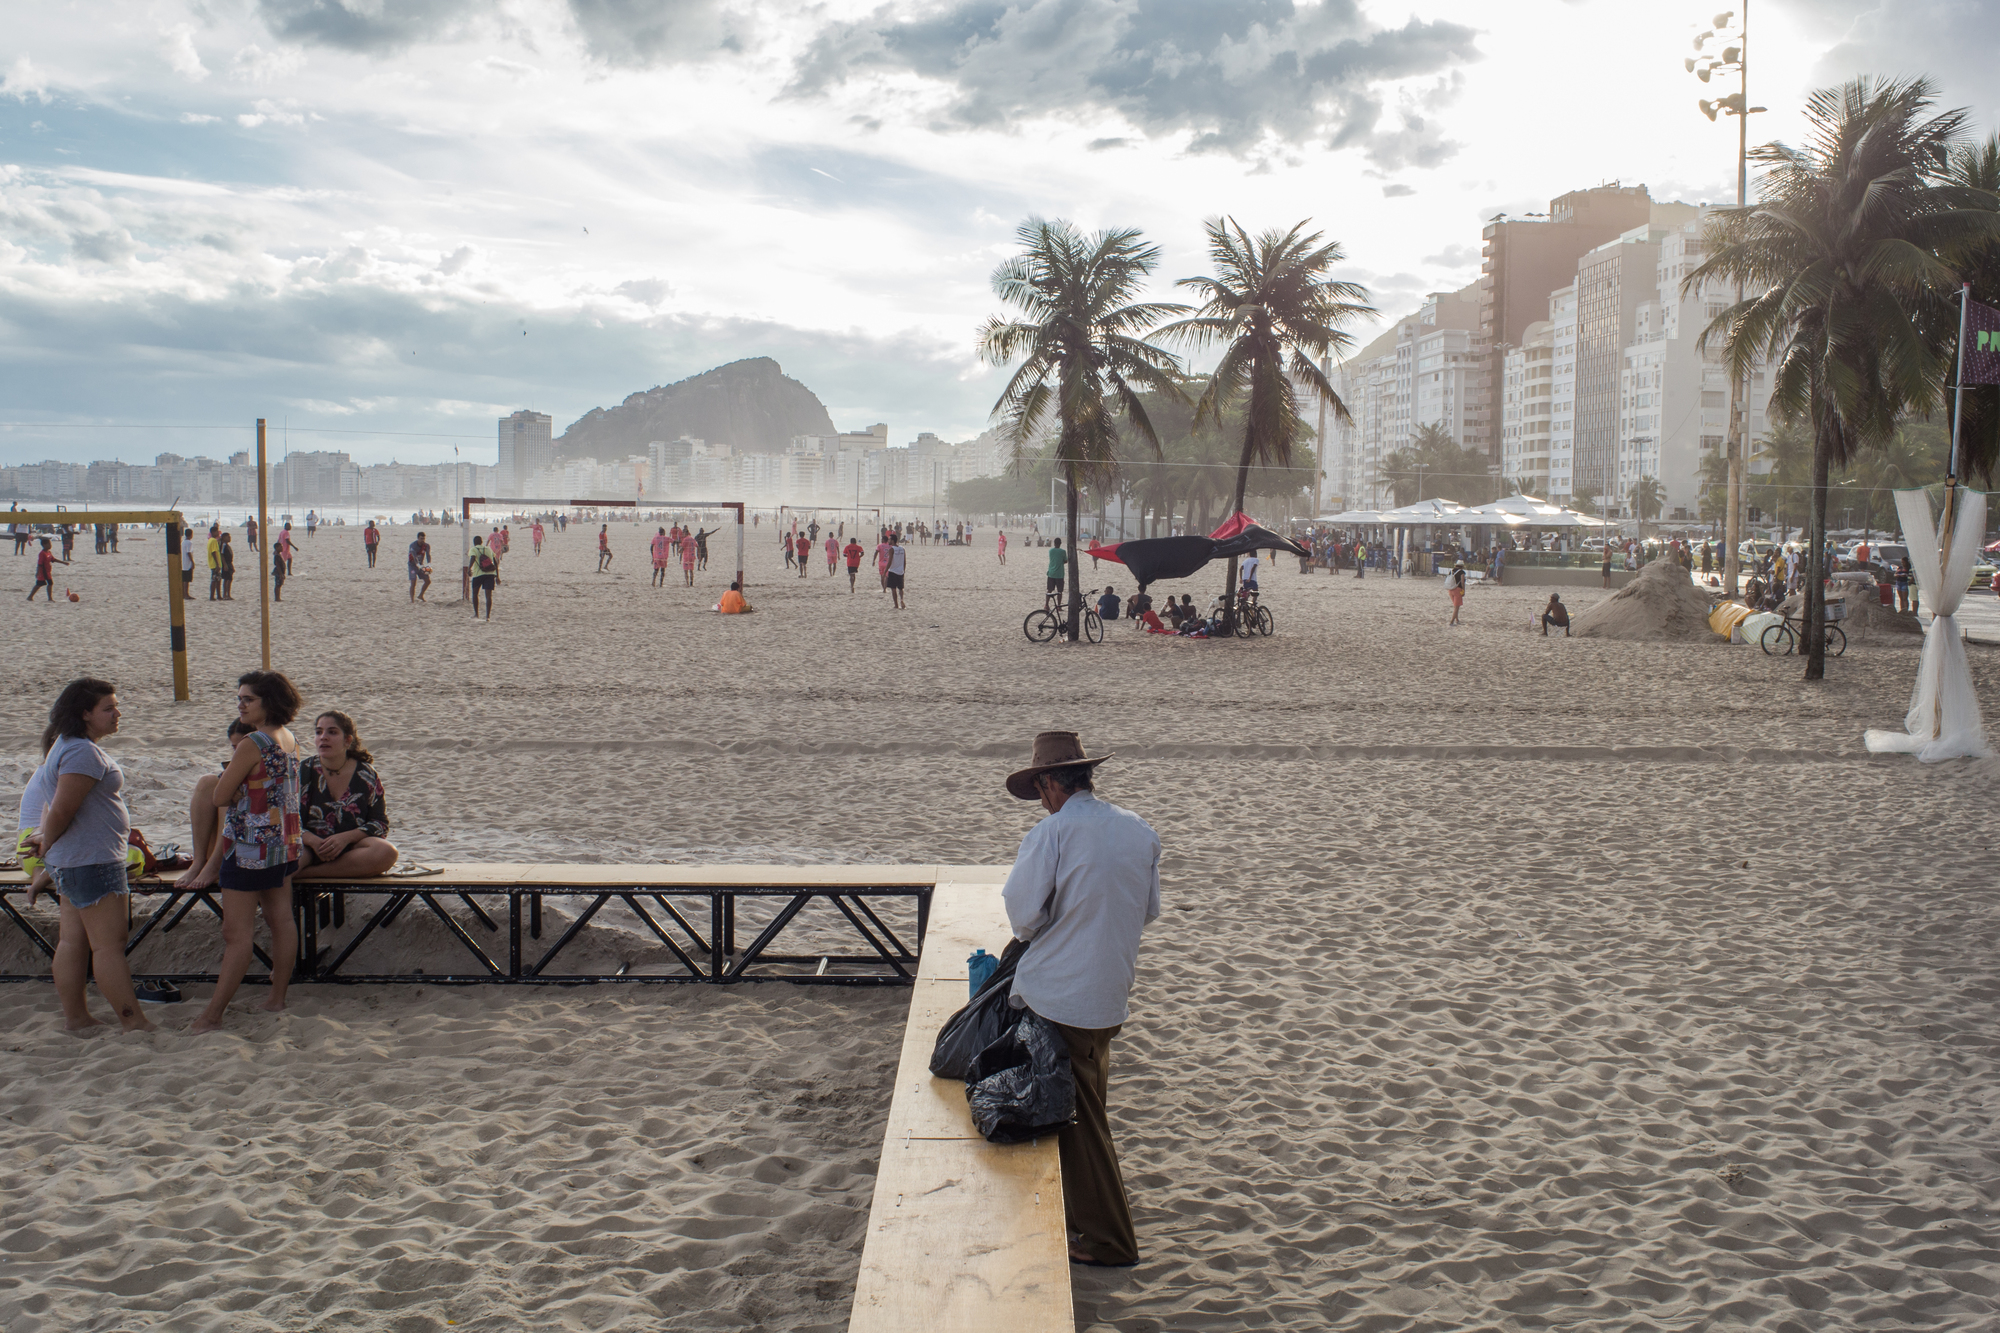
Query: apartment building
(1424, 371)
(1527, 408)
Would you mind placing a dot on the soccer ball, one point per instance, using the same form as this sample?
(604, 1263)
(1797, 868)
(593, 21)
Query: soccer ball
(72, 596)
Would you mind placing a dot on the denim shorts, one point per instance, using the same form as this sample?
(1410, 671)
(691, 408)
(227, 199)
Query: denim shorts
(85, 886)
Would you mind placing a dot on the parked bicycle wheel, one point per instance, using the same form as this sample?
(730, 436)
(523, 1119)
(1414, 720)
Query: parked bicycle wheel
(1265, 624)
(1040, 626)
(1777, 640)
(1093, 628)
(1836, 640)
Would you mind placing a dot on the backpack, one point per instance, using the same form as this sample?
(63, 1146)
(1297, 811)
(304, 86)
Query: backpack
(485, 560)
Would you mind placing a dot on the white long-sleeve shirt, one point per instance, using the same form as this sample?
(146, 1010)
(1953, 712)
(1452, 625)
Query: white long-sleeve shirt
(1085, 884)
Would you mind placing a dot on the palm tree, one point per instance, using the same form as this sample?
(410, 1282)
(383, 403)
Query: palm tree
(1844, 261)
(1085, 332)
(1269, 297)
(1648, 498)
(1977, 166)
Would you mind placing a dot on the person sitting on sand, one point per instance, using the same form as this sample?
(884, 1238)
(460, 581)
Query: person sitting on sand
(343, 814)
(732, 603)
(1150, 619)
(1139, 603)
(1107, 605)
(1555, 614)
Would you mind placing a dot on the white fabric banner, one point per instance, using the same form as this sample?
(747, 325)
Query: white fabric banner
(1943, 721)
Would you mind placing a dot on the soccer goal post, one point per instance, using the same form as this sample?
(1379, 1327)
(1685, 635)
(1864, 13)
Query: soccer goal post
(528, 507)
(173, 525)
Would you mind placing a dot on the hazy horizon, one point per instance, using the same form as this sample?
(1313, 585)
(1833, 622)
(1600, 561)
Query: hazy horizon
(415, 219)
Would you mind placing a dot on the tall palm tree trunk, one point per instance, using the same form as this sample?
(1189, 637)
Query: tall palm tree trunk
(1075, 555)
(1815, 606)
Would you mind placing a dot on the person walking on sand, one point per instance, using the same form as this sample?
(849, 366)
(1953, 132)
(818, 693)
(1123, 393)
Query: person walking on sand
(1003, 548)
(893, 577)
(536, 533)
(228, 569)
(803, 548)
(1607, 565)
(1455, 585)
(285, 548)
(690, 553)
(483, 565)
(832, 555)
(603, 547)
(420, 568)
(260, 791)
(853, 551)
(214, 563)
(662, 548)
(45, 572)
(371, 538)
(1085, 885)
(277, 575)
(79, 831)
(882, 550)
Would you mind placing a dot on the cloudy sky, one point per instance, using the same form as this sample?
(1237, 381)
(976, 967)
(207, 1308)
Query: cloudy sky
(387, 222)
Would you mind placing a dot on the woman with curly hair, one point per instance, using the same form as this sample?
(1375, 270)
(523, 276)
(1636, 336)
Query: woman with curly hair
(260, 793)
(343, 813)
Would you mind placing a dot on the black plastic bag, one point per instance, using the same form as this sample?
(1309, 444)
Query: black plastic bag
(1021, 1087)
(972, 1029)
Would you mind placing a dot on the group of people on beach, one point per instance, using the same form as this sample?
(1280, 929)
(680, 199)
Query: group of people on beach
(268, 816)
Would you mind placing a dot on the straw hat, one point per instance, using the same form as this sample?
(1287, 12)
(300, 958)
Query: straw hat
(1053, 749)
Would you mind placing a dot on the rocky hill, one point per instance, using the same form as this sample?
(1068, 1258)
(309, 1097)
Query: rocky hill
(752, 405)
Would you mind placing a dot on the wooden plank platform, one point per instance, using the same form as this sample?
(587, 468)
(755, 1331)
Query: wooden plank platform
(964, 1236)
(587, 877)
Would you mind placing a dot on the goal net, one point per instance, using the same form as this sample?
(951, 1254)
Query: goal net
(628, 527)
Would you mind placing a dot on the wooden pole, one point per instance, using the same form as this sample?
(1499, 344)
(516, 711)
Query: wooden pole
(265, 546)
(176, 611)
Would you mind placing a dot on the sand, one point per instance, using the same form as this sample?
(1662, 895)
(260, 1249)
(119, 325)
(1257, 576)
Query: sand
(1661, 605)
(1506, 982)
(1867, 619)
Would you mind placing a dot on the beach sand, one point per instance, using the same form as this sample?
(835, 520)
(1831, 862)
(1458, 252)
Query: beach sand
(1505, 982)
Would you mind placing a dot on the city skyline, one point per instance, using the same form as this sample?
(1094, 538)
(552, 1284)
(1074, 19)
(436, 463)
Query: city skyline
(419, 224)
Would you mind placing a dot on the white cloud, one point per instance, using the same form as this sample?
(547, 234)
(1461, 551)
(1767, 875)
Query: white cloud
(182, 57)
(23, 81)
(197, 118)
(265, 111)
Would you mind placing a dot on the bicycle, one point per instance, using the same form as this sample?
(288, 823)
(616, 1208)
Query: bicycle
(1252, 616)
(1783, 639)
(1045, 624)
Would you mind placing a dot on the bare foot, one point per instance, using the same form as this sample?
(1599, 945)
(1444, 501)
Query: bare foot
(274, 1005)
(85, 1025)
(205, 1024)
(144, 1024)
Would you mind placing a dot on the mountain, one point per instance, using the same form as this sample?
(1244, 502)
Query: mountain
(752, 405)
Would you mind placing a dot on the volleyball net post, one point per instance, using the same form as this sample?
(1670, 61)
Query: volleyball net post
(172, 521)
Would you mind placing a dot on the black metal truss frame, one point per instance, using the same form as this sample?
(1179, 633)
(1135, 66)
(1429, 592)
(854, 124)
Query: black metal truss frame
(713, 958)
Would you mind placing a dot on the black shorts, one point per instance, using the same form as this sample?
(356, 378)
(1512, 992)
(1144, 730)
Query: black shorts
(240, 880)
(894, 581)
(483, 581)
(1055, 583)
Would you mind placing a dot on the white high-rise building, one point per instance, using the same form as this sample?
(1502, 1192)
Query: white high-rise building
(1562, 393)
(1420, 373)
(527, 445)
(1673, 396)
(1527, 379)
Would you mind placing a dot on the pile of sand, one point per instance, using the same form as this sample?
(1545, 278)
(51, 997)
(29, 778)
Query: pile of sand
(1868, 621)
(1662, 605)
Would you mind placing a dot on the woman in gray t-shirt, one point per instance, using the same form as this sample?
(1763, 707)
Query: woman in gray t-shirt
(81, 835)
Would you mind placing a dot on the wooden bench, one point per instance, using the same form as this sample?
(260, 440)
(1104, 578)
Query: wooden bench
(963, 1235)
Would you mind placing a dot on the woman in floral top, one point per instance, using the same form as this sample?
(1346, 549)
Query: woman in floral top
(345, 814)
(259, 795)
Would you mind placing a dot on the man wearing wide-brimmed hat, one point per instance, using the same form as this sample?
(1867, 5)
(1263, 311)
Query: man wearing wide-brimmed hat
(1085, 884)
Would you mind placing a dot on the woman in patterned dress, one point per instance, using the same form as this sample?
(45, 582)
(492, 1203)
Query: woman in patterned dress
(259, 792)
(343, 813)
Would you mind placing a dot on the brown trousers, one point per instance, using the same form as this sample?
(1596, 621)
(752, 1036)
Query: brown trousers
(1093, 1189)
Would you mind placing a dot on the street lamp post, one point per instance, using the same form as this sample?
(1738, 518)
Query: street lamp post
(1736, 57)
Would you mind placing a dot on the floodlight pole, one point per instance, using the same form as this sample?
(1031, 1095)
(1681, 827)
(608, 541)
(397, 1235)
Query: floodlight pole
(264, 531)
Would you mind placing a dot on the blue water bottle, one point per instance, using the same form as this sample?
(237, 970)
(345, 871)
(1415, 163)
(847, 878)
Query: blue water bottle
(979, 969)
